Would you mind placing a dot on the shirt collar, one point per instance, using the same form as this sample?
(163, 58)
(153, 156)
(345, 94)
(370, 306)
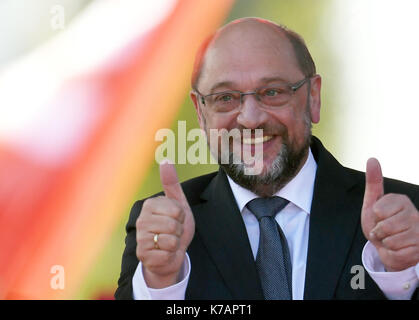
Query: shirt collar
(298, 191)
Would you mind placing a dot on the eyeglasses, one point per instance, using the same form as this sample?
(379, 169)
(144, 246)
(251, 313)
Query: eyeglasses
(271, 96)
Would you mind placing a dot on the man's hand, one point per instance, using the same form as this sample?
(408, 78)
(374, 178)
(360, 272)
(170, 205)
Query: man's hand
(170, 217)
(390, 222)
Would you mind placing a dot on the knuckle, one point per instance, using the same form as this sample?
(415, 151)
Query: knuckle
(385, 227)
(172, 243)
(404, 198)
(388, 243)
(148, 204)
(151, 202)
(407, 217)
(391, 243)
(173, 208)
(392, 196)
(171, 226)
(176, 212)
(379, 212)
(140, 222)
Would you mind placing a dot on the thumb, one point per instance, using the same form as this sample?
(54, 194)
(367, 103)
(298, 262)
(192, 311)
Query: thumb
(173, 190)
(170, 182)
(374, 190)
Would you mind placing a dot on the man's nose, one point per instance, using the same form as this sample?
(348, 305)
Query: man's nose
(251, 114)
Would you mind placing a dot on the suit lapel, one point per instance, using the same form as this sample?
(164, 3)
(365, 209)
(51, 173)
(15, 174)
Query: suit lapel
(334, 218)
(221, 227)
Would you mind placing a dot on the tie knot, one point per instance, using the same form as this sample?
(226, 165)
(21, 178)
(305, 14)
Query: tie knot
(267, 207)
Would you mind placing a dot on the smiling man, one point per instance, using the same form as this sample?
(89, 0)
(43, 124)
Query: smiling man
(288, 95)
(294, 231)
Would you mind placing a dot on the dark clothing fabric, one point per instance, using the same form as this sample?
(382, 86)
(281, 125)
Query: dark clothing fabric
(222, 262)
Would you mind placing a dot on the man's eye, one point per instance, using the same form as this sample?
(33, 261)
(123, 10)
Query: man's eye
(224, 97)
(272, 92)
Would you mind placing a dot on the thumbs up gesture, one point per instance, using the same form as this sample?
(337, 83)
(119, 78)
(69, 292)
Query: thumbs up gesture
(390, 222)
(165, 229)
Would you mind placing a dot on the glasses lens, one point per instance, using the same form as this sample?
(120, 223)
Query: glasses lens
(225, 101)
(275, 96)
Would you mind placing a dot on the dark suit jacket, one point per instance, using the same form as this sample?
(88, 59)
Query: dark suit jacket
(222, 262)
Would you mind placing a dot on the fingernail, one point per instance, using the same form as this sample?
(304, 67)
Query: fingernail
(372, 234)
(166, 161)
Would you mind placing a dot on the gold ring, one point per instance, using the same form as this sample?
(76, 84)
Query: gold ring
(155, 240)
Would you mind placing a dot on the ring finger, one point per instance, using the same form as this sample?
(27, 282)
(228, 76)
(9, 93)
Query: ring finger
(163, 241)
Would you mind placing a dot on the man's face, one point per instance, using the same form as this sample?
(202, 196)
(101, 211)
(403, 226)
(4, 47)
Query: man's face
(245, 57)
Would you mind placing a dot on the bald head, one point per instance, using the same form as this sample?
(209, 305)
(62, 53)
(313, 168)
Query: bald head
(245, 36)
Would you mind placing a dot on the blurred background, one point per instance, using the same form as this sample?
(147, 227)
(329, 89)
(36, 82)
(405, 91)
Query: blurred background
(86, 84)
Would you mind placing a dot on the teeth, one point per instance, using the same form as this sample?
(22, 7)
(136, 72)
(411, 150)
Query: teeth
(256, 140)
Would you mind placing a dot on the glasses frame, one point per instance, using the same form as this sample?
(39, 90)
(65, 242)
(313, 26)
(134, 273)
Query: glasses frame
(292, 86)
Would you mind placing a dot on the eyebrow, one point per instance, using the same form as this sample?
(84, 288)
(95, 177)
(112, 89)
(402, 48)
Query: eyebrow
(230, 84)
(221, 84)
(273, 79)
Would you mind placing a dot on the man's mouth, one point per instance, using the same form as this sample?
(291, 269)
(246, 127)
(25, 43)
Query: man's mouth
(256, 140)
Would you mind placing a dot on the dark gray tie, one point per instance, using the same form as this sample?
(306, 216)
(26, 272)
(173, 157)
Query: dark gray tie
(272, 260)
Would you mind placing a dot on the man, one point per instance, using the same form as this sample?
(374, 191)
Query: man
(205, 240)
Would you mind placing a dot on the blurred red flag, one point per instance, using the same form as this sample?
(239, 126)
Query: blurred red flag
(65, 185)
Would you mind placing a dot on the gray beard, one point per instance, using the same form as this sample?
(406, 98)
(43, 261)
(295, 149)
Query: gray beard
(283, 169)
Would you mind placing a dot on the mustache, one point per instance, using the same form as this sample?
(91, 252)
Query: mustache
(268, 130)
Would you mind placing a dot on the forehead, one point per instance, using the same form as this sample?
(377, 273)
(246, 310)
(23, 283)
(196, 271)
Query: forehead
(246, 53)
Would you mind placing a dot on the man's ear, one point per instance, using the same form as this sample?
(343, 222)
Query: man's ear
(195, 99)
(315, 98)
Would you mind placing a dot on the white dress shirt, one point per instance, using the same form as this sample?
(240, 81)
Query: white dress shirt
(294, 221)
